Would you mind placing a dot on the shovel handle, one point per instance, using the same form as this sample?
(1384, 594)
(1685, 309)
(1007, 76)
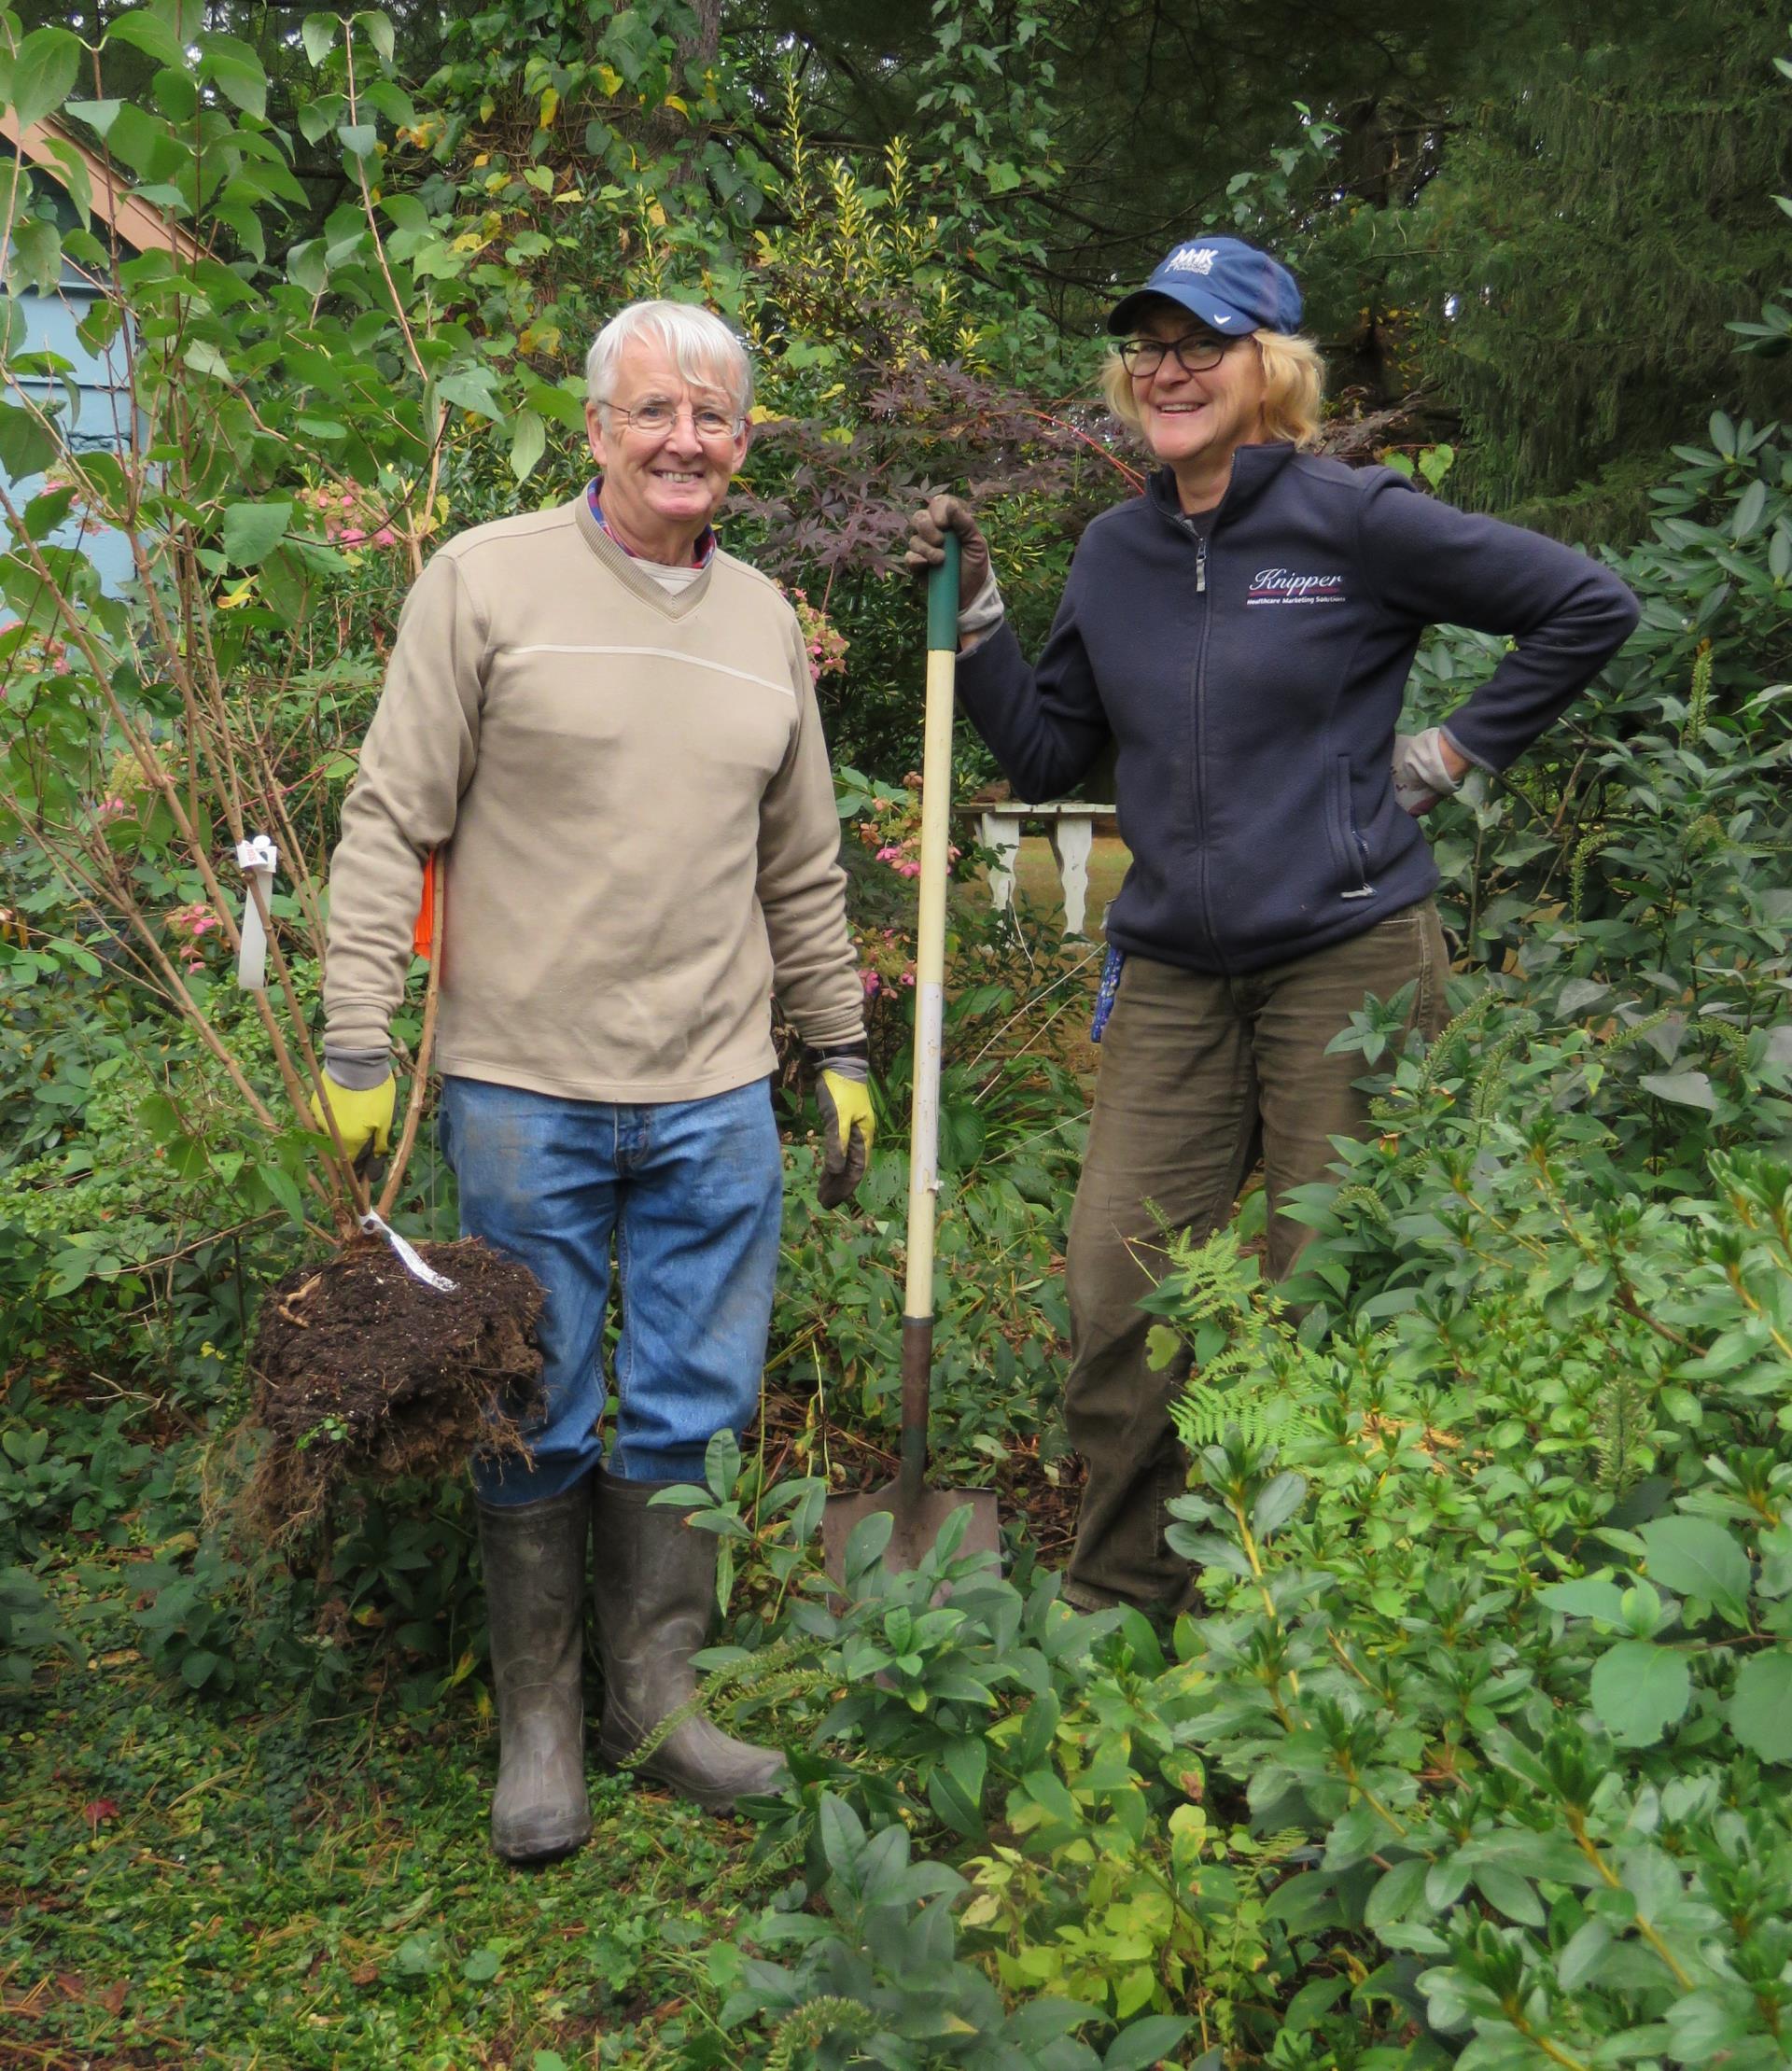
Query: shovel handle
(929, 1008)
(943, 601)
(917, 1365)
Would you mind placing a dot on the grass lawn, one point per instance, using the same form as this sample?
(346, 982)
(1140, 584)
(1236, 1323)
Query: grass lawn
(1036, 879)
(183, 1882)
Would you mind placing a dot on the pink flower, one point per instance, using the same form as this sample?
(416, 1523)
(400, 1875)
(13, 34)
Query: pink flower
(386, 537)
(114, 808)
(352, 536)
(908, 977)
(889, 855)
(871, 984)
(348, 502)
(908, 869)
(194, 923)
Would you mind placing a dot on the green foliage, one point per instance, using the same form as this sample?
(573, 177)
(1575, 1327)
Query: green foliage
(1508, 218)
(1248, 1370)
(1414, 1649)
(749, 1520)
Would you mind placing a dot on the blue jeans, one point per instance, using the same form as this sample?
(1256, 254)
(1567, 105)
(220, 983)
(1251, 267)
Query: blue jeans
(690, 1192)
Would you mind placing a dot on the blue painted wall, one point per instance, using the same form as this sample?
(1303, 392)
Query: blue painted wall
(101, 415)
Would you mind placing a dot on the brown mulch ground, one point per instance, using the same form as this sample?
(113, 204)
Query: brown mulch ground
(1045, 1492)
(362, 1369)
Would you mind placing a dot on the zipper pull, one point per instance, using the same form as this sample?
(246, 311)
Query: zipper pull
(1200, 565)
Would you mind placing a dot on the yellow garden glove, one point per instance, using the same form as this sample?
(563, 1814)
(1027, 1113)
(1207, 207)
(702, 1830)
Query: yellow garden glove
(363, 1118)
(847, 1128)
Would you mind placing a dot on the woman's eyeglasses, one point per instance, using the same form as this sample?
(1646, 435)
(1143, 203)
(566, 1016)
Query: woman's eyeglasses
(656, 417)
(1195, 350)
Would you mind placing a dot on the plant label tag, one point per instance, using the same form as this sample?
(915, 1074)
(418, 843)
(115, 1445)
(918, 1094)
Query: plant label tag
(372, 1224)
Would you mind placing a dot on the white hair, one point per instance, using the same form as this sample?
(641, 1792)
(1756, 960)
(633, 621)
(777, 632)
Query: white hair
(700, 345)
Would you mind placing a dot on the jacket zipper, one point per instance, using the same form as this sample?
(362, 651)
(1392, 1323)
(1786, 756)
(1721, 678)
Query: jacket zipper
(1347, 812)
(1200, 740)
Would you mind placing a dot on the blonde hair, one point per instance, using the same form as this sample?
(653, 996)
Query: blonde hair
(1294, 376)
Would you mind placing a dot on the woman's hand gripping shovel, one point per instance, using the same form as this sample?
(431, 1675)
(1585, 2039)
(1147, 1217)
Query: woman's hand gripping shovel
(917, 1510)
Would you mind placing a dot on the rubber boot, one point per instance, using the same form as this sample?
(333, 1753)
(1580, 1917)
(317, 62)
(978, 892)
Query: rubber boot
(534, 1556)
(654, 1592)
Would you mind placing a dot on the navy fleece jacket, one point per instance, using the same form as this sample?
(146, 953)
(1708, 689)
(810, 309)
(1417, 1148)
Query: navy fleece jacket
(1252, 680)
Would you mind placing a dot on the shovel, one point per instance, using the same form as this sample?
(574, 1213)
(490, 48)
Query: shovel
(918, 1510)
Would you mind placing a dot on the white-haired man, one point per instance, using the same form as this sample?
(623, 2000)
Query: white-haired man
(613, 721)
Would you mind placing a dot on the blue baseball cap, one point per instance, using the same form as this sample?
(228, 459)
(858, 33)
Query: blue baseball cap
(1226, 283)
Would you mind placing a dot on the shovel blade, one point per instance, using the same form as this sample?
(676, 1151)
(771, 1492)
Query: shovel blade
(918, 1521)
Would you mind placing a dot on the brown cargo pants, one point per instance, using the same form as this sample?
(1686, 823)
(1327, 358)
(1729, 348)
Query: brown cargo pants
(1199, 1076)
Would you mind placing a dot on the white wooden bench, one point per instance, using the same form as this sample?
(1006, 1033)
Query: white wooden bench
(1070, 827)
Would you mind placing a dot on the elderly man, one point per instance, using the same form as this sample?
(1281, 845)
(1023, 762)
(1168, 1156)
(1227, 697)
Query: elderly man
(613, 721)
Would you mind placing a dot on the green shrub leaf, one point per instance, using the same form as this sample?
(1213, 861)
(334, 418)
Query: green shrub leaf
(1697, 1557)
(1760, 1706)
(253, 531)
(1687, 1089)
(1639, 1690)
(1396, 1893)
(1586, 1599)
(1144, 2043)
(42, 74)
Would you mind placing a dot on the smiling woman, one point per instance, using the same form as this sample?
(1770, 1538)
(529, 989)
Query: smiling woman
(1293, 374)
(1241, 635)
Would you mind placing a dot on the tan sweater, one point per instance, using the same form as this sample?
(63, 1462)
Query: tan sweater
(642, 819)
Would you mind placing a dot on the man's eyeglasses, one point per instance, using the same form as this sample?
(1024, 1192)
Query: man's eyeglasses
(1195, 350)
(656, 417)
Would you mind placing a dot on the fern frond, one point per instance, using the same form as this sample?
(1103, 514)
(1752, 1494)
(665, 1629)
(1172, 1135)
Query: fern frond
(1262, 1410)
(756, 1677)
(1258, 1378)
(1457, 1025)
(1727, 1035)
(1494, 1060)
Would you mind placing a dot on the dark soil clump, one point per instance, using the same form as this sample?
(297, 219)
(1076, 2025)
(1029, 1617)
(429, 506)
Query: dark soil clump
(362, 1371)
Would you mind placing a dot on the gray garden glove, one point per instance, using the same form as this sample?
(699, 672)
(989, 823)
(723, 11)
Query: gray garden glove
(927, 531)
(1421, 775)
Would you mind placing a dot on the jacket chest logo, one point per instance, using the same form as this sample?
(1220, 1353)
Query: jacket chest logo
(1291, 586)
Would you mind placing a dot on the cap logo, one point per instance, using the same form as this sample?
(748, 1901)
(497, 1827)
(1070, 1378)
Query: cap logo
(1191, 259)
(1221, 317)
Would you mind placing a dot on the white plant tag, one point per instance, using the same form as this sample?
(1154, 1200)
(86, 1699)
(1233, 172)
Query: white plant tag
(253, 856)
(374, 1224)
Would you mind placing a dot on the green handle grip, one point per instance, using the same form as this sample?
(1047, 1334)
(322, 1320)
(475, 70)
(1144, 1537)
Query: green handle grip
(943, 601)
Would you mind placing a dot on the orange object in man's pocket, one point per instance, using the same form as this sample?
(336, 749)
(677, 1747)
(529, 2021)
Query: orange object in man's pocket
(423, 933)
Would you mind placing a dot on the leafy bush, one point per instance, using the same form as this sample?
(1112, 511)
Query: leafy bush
(1500, 1626)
